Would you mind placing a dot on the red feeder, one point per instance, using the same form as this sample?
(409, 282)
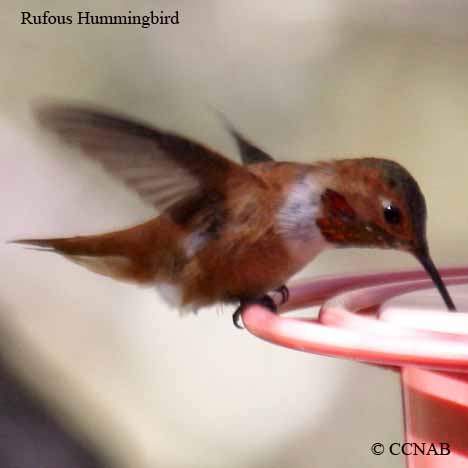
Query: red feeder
(428, 347)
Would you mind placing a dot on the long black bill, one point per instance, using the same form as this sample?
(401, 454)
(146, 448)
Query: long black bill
(426, 261)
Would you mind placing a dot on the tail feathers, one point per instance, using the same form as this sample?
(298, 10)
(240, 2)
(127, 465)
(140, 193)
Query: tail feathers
(116, 267)
(93, 253)
(39, 245)
(82, 245)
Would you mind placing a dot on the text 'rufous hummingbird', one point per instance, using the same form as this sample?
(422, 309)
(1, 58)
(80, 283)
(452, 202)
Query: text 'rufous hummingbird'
(228, 233)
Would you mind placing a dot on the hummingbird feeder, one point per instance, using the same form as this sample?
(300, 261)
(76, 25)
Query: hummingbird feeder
(359, 321)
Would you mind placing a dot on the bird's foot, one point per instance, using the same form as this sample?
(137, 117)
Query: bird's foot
(284, 291)
(237, 315)
(265, 301)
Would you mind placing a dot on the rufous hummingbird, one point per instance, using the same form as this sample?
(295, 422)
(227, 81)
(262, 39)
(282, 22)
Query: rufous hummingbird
(231, 233)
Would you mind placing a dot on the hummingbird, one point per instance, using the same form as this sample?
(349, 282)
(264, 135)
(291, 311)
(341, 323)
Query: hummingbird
(228, 232)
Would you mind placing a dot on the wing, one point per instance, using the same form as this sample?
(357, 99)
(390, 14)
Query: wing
(250, 154)
(161, 167)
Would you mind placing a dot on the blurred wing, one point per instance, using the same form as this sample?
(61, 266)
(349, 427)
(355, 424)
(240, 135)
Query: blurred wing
(250, 154)
(160, 167)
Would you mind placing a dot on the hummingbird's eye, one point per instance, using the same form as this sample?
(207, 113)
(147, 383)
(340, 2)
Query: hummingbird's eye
(392, 214)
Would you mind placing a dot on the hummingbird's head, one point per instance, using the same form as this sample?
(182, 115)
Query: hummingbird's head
(373, 202)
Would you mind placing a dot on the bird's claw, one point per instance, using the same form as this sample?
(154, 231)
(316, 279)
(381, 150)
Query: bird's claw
(284, 291)
(265, 301)
(236, 317)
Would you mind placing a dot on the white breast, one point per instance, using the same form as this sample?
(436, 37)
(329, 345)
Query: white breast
(296, 220)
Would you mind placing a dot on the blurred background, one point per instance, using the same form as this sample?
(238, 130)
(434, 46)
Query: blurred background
(129, 381)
